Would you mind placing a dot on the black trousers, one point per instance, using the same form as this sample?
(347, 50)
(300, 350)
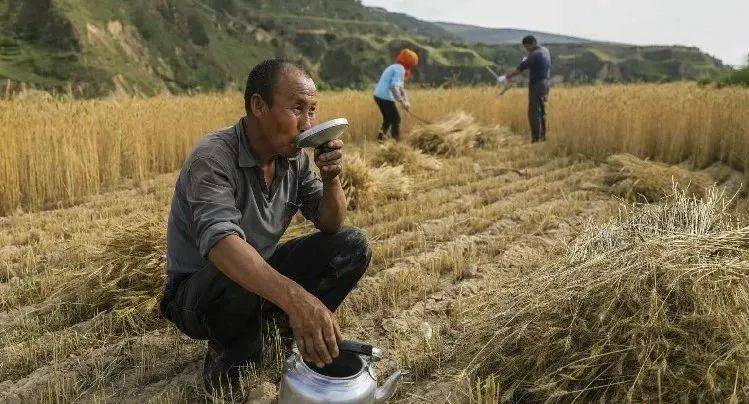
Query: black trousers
(209, 305)
(538, 93)
(391, 119)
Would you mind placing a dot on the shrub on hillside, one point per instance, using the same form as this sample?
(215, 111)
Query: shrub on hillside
(737, 78)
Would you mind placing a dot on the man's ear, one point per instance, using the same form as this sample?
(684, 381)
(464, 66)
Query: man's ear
(258, 106)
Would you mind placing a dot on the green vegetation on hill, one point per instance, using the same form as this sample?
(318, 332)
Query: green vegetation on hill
(739, 77)
(94, 47)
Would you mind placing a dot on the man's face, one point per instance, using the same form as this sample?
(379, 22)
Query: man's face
(294, 110)
(528, 47)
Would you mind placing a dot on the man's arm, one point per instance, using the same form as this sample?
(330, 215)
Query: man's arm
(397, 87)
(315, 330)
(506, 78)
(512, 74)
(521, 67)
(216, 221)
(400, 95)
(332, 208)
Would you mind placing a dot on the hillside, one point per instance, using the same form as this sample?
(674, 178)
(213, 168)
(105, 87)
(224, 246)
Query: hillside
(502, 36)
(612, 63)
(149, 46)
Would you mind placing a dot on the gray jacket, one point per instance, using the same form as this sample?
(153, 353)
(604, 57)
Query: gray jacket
(220, 191)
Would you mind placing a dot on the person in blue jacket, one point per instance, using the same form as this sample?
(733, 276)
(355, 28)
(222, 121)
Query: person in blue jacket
(391, 88)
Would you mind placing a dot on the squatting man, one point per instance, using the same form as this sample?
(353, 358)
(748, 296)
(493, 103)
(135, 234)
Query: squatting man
(235, 196)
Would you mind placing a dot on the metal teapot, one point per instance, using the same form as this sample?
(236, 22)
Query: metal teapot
(350, 379)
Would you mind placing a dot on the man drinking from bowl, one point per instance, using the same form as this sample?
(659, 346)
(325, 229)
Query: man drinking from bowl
(234, 198)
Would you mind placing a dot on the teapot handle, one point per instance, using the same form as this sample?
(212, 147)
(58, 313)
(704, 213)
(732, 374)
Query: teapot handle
(360, 349)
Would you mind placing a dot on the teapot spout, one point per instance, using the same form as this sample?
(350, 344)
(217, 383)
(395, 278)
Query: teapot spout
(388, 388)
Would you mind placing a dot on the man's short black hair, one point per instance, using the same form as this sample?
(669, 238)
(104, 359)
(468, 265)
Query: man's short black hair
(263, 78)
(529, 40)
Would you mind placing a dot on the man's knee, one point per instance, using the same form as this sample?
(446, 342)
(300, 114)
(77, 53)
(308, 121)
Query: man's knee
(353, 251)
(356, 241)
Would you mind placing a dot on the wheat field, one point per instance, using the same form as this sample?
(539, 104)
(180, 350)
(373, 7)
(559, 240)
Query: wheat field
(501, 270)
(56, 152)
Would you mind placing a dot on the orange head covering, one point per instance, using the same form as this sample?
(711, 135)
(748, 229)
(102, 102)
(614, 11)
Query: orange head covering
(408, 59)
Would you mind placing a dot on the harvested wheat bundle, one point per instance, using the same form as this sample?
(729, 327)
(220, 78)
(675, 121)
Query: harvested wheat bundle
(651, 307)
(364, 185)
(357, 180)
(397, 153)
(647, 181)
(456, 134)
(126, 273)
(390, 183)
(451, 136)
(727, 177)
(492, 136)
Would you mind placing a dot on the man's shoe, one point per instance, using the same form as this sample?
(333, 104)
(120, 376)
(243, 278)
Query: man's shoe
(381, 137)
(222, 382)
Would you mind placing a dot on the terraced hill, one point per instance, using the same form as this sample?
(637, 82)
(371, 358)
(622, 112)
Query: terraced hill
(92, 48)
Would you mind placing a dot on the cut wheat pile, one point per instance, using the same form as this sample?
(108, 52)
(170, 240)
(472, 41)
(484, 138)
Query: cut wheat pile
(396, 153)
(648, 181)
(365, 185)
(651, 306)
(126, 273)
(456, 134)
